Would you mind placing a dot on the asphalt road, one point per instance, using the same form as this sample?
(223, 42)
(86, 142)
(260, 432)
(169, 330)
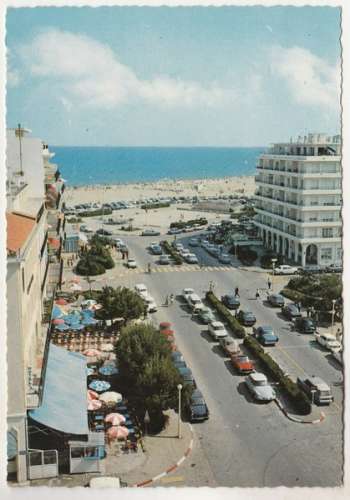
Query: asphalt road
(244, 443)
(247, 444)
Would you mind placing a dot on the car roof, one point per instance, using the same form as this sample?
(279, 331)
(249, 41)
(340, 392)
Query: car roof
(258, 377)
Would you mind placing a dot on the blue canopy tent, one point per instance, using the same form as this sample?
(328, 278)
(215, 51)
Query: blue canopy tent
(64, 399)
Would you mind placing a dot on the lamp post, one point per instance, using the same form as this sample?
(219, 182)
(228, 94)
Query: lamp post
(179, 387)
(273, 271)
(333, 313)
(146, 420)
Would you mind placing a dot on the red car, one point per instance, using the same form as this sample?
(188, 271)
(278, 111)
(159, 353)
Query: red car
(242, 363)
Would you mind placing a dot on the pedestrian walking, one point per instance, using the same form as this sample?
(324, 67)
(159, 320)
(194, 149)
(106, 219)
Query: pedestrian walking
(269, 283)
(236, 292)
(257, 295)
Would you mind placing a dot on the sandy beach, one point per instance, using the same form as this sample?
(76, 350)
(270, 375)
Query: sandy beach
(244, 185)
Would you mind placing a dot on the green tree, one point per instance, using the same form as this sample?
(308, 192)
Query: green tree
(147, 373)
(120, 302)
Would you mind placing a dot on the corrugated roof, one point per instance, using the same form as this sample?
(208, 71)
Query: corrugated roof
(19, 228)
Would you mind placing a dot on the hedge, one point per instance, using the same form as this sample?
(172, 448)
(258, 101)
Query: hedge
(296, 395)
(225, 315)
(149, 206)
(171, 251)
(95, 213)
(181, 224)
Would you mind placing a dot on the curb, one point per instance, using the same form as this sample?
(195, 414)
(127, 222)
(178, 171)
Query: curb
(298, 420)
(171, 468)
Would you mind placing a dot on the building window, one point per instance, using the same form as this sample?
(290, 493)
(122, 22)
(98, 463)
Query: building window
(326, 253)
(327, 232)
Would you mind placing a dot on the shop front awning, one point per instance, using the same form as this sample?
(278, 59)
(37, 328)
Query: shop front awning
(64, 399)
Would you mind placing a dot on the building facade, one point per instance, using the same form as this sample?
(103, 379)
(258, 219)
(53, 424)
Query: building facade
(298, 200)
(28, 263)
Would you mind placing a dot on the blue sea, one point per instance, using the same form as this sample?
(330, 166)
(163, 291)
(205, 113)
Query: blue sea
(114, 165)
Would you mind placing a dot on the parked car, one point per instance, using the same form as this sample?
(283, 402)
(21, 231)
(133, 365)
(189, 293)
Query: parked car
(193, 242)
(290, 311)
(259, 387)
(174, 230)
(242, 363)
(186, 291)
(230, 301)
(266, 336)
(164, 260)
(334, 268)
(187, 376)
(224, 258)
(246, 318)
(285, 269)
(103, 232)
(156, 249)
(150, 232)
(198, 410)
(328, 341)
(131, 264)
(191, 258)
(205, 315)
(305, 325)
(140, 288)
(316, 389)
(276, 300)
(217, 330)
(229, 345)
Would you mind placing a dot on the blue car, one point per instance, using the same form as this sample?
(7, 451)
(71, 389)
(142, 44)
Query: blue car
(266, 336)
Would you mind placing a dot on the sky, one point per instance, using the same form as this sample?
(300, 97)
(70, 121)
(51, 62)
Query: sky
(143, 76)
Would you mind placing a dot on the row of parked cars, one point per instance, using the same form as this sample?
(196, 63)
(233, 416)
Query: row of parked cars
(256, 383)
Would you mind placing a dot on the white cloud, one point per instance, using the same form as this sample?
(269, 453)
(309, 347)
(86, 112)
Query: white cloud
(310, 79)
(91, 71)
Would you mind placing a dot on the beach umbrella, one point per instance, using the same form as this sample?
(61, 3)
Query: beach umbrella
(117, 432)
(94, 404)
(108, 370)
(58, 321)
(99, 385)
(107, 347)
(115, 418)
(165, 325)
(92, 395)
(111, 397)
(91, 352)
(61, 302)
(62, 328)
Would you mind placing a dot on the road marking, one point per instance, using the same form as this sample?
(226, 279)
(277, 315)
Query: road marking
(172, 479)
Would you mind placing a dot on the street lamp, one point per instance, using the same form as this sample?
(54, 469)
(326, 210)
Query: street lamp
(273, 271)
(179, 387)
(333, 313)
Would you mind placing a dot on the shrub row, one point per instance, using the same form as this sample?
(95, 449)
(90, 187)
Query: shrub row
(171, 251)
(297, 397)
(149, 206)
(181, 224)
(95, 213)
(225, 315)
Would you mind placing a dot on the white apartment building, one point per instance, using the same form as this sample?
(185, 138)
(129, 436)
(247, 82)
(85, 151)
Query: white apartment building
(28, 263)
(299, 198)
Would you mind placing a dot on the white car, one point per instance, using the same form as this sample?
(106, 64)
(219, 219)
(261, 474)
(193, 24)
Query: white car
(151, 305)
(217, 330)
(186, 292)
(328, 341)
(140, 288)
(285, 269)
(131, 264)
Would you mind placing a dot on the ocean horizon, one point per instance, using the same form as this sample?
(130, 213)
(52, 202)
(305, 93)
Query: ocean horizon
(90, 165)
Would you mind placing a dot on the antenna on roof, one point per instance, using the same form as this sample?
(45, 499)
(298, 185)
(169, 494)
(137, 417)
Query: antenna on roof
(19, 133)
